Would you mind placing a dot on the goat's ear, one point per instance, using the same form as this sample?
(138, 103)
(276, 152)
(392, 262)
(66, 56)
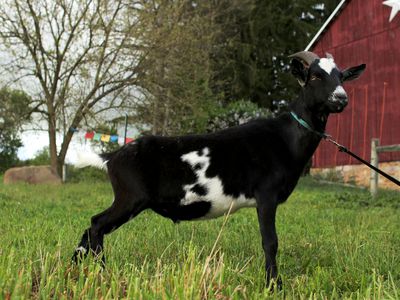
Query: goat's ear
(299, 71)
(353, 72)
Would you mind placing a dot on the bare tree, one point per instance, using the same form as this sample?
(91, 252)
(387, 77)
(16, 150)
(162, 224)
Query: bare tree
(75, 56)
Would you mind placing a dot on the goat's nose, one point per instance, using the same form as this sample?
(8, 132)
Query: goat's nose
(341, 97)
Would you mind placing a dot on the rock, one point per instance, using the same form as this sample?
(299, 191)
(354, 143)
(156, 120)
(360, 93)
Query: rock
(32, 175)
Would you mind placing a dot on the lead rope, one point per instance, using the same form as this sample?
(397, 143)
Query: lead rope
(345, 150)
(342, 148)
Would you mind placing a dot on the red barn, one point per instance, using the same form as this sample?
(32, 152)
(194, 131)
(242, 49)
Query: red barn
(363, 31)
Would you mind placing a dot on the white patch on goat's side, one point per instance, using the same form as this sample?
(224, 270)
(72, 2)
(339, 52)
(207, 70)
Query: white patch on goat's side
(90, 159)
(327, 64)
(220, 202)
(339, 91)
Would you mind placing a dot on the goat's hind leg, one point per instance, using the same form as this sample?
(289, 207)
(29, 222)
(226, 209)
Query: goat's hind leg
(121, 211)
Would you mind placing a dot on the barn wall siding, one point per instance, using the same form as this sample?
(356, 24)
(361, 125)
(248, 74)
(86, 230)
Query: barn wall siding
(361, 33)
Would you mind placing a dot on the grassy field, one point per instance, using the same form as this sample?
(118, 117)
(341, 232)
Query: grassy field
(335, 243)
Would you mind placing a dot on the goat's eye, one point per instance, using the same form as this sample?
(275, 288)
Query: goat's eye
(314, 77)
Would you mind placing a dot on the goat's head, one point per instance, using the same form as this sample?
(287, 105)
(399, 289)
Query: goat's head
(322, 81)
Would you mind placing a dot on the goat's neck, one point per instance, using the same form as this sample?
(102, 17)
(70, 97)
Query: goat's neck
(317, 120)
(306, 141)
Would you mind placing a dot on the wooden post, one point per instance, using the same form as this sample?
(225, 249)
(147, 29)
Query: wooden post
(126, 127)
(64, 173)
(374, 162)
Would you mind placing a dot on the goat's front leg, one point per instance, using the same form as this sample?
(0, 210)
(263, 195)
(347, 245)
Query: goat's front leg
(89, 244)
(120, 212)
(82, 250)
(266, 210)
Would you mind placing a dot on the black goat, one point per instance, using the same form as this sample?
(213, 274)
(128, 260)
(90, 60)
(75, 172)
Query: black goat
(256, 164)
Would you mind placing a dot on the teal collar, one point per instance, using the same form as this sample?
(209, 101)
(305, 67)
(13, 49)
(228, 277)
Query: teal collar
(307, 126)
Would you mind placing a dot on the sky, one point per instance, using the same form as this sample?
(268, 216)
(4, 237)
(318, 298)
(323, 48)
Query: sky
(34, 141)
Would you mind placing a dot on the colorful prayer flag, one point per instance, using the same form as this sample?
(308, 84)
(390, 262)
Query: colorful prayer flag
(114, 139)
(89, 135)
(97, 137)
(105, 138)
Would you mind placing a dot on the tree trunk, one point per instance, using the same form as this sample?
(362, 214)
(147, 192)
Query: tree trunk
(53, 148)
(55, 162)
(154, 128)
(166, 116)
(66, 141)
(64, 148)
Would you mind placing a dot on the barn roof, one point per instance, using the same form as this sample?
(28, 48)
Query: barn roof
(329, 21)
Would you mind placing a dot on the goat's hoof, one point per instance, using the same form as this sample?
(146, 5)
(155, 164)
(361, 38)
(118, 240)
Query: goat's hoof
(79, 254)
(274, 284)
(101, 259)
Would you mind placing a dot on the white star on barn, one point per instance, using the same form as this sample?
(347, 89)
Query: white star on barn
(395, 5)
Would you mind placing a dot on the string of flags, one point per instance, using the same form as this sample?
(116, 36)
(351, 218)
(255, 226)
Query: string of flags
(102, 137)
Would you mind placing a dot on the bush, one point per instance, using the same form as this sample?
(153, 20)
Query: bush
(8, 150)
(14, 111)
(235, 113)
(89, 174)
(217, 117)
(41, 158)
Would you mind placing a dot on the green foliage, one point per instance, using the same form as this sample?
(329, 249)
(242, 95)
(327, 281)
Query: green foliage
(235, 113)
(85, 175)
(197, 121)
(251, 56)
(364, 199)
(9, 144)
(327, 251)
(216, 116)
(205, 55)
(14, 111)
(175, 85)
(41, 158)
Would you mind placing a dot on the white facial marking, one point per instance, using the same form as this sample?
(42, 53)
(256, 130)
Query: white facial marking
(327, 64)
(337, 93)
(220, 202)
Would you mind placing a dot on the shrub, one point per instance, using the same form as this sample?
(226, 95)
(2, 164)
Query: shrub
(89, 174)
(235, 113)
(42, 157)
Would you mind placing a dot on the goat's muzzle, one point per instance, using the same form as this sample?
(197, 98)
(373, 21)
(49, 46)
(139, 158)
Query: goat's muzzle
(338, 99)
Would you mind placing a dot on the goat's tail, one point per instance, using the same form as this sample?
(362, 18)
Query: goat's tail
(85, 159)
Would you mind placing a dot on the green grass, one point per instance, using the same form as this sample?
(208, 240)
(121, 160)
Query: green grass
(335, 243)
